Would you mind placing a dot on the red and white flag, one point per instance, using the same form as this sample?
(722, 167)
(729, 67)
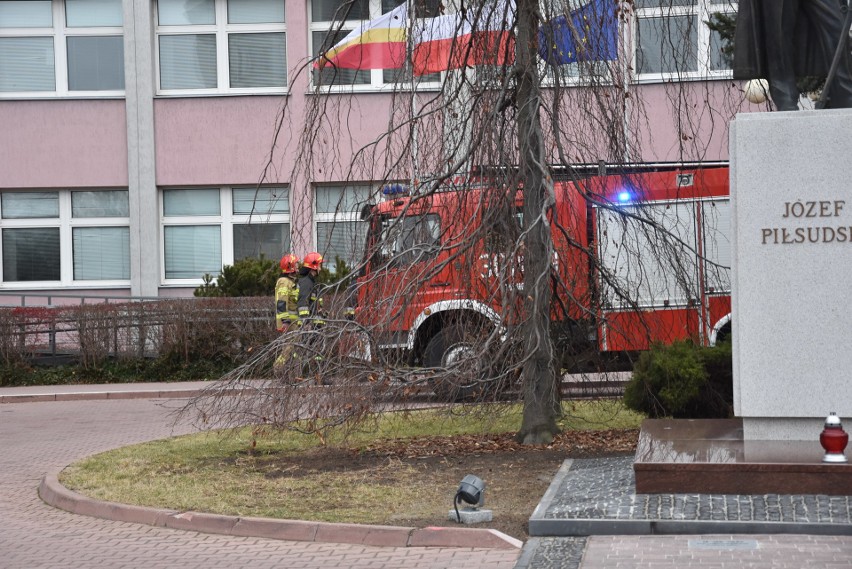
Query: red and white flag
(376, 44)
(482, 35)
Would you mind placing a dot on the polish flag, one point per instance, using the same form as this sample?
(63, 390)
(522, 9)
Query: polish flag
(377, 44)
(480, 36)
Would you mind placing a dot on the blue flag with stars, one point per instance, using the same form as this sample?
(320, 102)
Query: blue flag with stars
(589, 33)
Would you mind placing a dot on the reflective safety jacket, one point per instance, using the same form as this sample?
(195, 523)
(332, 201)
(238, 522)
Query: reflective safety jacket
(286, 296)
(308, 302)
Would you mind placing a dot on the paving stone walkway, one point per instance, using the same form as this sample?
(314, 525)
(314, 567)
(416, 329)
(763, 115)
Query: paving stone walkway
(39, 437)
(36, 438)
(595, 496)
(591, 518)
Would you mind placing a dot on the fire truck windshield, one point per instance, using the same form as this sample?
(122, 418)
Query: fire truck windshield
(406, 240)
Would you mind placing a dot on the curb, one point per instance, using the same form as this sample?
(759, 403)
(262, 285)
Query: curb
(52, 492)
(98, 395)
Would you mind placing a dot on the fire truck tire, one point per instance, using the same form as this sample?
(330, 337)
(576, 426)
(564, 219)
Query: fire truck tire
(445, 349)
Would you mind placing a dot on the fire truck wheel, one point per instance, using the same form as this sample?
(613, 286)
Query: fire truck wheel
(454, 354)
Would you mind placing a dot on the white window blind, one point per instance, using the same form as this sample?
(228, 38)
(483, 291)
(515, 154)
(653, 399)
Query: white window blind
(256, 60)
(26, 64)
(343, 239)
(221, 46)
(188, 61)
(192, 251)
(101, 253)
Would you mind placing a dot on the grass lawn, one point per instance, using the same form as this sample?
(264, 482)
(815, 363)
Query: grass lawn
(401, 469)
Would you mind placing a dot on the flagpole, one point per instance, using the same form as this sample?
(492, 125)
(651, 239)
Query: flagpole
(626, 78)
(414, 107)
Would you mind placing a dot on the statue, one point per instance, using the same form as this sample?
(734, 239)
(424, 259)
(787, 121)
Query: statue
(782, 40)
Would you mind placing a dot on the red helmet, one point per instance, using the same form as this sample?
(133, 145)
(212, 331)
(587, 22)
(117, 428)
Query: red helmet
(313, 261)
(289, 263)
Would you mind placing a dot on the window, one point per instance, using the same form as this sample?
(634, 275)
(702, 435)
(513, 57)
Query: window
(270, 238)
(90, 228)
(61, 48)
(331, 20)
(205, 229)
(221, 46)
(340, 231)
(410, 239)
(674, 42)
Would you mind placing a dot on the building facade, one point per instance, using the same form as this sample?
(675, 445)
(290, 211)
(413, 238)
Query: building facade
(135, 135)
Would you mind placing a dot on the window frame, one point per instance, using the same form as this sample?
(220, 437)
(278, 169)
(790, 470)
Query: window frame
(226, 220)
(352, 216)
(701, 10)
(222, 30)
(59, 32)
(66, 224)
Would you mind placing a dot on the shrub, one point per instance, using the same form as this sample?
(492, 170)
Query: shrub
(683, 381)
(247, 277)
(339, 278)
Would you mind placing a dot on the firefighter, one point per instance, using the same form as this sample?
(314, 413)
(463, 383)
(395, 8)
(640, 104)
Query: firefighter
(287, 293)
(309, 302)
(310, 318)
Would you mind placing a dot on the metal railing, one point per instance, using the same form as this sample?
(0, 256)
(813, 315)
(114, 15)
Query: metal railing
(63, 324)
(26, 299)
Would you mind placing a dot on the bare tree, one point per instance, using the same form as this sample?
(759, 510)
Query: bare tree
(492, 279)
(541, 387)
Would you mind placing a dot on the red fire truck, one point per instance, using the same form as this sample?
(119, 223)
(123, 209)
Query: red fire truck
(639, 257)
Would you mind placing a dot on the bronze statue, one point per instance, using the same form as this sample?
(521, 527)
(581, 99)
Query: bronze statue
(782, 40)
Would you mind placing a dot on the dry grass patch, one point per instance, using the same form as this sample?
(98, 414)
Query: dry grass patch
(405, 472)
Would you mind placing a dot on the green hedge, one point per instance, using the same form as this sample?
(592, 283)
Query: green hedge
(246, 277)
(682, 380)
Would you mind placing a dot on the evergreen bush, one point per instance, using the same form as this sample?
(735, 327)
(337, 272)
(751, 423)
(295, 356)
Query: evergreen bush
(682, 380)
(339, 278)
(247, 277)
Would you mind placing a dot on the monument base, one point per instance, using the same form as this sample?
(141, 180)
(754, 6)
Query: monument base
(710, 456)
(782, 429)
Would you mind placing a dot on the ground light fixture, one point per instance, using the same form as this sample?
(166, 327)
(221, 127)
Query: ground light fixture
(833, 439)
(471, 491)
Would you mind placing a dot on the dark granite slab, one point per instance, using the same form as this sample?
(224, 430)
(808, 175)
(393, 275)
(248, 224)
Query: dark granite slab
(710, 456)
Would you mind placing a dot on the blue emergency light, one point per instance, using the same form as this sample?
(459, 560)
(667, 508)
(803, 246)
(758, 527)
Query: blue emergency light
(624, 196)
(395, 190)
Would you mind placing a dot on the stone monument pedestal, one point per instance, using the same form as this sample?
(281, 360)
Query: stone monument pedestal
(791, 196)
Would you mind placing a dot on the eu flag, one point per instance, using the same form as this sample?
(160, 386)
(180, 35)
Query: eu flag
(589, 33)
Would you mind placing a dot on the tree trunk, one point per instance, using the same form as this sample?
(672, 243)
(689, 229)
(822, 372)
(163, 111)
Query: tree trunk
(541, 387)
